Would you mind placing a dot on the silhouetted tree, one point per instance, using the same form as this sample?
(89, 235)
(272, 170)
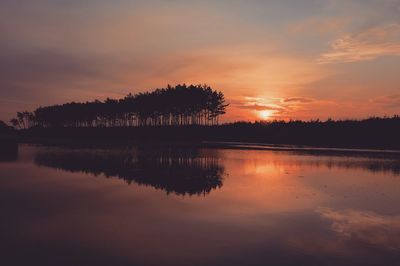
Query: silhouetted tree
(15, 123)
(171, 106)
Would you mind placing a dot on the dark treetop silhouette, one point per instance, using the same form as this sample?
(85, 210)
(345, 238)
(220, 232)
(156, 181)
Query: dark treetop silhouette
(171, 106)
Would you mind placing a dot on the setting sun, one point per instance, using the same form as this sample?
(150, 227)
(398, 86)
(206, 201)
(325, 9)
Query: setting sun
(265, 114)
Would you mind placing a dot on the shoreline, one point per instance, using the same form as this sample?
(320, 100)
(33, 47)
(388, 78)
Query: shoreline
(308, 149)
(290, 147)
(367, 139)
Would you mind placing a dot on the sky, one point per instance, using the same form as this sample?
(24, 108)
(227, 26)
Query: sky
(278, 59)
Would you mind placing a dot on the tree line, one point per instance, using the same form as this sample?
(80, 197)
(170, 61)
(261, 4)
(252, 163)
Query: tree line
(170, 106)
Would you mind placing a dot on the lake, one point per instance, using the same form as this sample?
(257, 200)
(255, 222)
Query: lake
(198, 206)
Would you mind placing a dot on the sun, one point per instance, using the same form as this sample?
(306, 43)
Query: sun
(265, 114)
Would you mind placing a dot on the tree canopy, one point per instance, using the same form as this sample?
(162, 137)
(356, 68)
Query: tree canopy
(170, 106)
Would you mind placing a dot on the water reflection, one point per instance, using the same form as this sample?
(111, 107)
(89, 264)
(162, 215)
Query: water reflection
(371, 160)
(375, 163)
(366, 226)
(181, 171)
(274, 208)
(8, 152)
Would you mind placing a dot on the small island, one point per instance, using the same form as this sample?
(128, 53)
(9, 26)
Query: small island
(188, 114)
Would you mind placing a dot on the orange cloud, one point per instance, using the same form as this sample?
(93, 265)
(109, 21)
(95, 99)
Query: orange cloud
(370, 44)
(277, 108)
(391, 101)
(298, 99)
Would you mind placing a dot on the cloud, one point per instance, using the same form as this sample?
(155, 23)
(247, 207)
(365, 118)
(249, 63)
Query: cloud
(279, 108)
(391, 101)
(298, 99)
(261, 107)
(369, 44)
(369, 227)
(109, 49)
(317, 25)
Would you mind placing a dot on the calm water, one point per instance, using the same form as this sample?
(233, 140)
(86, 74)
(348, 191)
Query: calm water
(132, 206)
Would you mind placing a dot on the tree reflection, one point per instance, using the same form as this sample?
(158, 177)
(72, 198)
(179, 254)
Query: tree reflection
(8, 152)
(180, 171)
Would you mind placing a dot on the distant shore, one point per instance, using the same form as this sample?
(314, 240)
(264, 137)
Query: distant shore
(381, 134)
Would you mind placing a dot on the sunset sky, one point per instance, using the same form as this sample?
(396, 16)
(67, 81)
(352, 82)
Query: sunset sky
(281, 59)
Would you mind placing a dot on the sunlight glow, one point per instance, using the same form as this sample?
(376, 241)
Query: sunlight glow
(265, 114)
